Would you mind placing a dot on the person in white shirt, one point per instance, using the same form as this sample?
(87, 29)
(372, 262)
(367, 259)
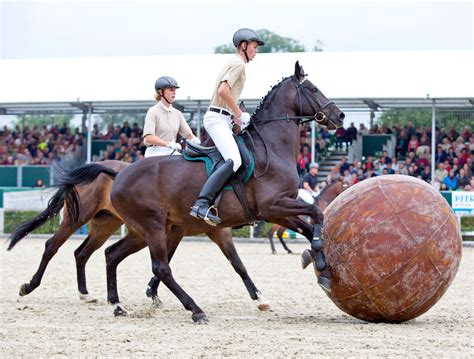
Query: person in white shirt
(163, 122)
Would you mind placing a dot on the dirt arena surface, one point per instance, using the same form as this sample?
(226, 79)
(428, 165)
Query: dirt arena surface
(303, 322)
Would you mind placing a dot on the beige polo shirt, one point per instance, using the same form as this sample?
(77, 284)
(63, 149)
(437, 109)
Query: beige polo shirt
(234, 74)
(165, 123)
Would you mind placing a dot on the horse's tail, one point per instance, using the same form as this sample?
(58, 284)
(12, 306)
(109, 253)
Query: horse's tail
(66, 193)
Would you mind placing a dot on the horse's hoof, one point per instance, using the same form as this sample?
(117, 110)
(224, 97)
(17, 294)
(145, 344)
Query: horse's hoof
(150, 293)
(325, 284)
(23, 290)
(289, 251)
(274, 252)
(87, 298)
(156, 302)
(306, 259)
(262, 303)
(200, 318)
(120, 311)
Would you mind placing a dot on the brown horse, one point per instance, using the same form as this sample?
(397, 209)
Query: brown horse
(93, 201)
(327, 195)
(154, 196)
(174, 232)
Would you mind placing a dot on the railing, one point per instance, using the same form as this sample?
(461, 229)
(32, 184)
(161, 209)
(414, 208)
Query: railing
(25, 176)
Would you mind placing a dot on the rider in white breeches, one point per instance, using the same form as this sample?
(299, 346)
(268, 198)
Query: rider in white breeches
(218, 121)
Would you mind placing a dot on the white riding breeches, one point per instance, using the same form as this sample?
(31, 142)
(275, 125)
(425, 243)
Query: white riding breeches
(160, 151)
(305, 196)
(219, 127)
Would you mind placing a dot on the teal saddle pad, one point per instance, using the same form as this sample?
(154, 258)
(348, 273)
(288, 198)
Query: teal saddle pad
(245, 171)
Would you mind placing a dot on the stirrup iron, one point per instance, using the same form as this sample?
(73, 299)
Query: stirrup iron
(206, 218)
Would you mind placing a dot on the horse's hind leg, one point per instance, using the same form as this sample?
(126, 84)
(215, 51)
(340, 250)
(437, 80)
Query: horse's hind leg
(114, 254)
(162, 270)
(173, 238)
(102, 226)
(51, 247)
(223, 238)
(280, 232)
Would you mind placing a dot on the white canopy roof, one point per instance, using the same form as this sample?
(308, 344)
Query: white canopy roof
(351, 79)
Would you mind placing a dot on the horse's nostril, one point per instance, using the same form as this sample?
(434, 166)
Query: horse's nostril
(342, 116)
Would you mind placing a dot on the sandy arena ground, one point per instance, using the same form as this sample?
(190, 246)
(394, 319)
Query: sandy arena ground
(303, 322)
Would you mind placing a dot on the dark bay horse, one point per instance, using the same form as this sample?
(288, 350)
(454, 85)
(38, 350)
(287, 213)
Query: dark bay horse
(327, 195)
(92, 203)
(153, 197)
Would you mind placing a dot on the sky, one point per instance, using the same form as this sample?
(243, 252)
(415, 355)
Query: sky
(49, 29)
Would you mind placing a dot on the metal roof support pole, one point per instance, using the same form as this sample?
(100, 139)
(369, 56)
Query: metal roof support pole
(313, 141)
(89, 134)
(198, 129)
(372, 116)
(433, 140)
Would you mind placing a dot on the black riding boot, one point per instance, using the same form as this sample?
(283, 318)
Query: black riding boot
(213, 186)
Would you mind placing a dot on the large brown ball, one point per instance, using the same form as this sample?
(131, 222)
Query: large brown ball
(393, 247)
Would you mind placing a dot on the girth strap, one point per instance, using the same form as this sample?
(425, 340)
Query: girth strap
(239, 191)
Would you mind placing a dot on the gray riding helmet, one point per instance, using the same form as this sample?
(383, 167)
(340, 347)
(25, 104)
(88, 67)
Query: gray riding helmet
(246, 35)
(164, 82)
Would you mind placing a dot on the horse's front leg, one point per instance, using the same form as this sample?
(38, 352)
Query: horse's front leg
(315, 254)
(223, 238)
(290, 207)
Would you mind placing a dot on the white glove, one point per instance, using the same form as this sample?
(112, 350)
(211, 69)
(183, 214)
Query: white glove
(196, 140)
(245, 119)
(173, 145)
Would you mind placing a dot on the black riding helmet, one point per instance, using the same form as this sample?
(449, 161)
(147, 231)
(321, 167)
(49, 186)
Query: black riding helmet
(165, 82)
(246, 35)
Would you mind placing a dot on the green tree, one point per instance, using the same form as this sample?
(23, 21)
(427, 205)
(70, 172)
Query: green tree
(273, 43)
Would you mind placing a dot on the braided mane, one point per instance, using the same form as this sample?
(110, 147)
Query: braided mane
(272, 90)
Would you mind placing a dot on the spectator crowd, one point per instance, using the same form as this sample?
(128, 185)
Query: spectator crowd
(453, 158)
(34, 145)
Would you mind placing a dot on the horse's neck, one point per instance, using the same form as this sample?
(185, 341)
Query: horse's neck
(281, 136)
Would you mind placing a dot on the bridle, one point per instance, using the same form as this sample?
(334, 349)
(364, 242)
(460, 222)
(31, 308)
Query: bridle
(319, 117)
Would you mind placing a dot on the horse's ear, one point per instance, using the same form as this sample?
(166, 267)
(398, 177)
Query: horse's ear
(299, 72)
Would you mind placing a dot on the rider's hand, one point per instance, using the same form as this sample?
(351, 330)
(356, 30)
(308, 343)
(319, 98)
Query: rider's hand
(244, 120)
(196, 140)
(175, 146)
